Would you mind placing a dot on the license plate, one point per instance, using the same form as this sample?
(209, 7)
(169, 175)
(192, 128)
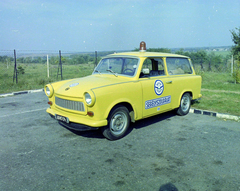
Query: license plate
(61, 118)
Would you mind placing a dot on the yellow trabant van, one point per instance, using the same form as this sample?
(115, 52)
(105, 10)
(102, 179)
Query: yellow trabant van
(123, 88)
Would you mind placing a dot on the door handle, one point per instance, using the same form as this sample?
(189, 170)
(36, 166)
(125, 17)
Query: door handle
(169, 82)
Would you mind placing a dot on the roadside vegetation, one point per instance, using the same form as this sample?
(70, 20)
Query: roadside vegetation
(220, 85)
(220, 93)
(34, 76)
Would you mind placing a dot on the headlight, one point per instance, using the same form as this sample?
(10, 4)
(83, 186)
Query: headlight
(48, 90)
(89, 98)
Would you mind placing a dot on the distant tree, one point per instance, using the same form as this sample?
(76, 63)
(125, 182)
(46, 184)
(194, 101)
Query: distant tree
(3, 58)
(86, 58)
(165, 50)
(21, 59)
(199, 57)
(28, 60)
(53, 60)
(80, 59)
(236, 41)
(37, 60)
(182, 52)
(236, 52)
(63, 60)
(214, 60)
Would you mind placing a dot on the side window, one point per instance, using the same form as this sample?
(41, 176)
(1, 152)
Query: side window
(155, 66)
(147, 64)
(160, 67)
(178, 66)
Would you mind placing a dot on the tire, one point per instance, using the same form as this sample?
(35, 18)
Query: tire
(118, 123)
(185, 104)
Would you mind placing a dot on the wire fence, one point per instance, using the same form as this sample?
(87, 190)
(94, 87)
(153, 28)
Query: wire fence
(29, 69)
(33, 69)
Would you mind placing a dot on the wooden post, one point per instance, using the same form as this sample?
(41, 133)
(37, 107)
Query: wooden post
(60, 66)
(96, 58)
(15, 68)
(47, 67)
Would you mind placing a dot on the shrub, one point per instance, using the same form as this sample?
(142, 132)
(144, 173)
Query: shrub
(20, 70)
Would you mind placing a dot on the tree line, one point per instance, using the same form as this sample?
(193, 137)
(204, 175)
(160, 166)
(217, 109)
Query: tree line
(208, 61)
(54, 60)
(211, 61)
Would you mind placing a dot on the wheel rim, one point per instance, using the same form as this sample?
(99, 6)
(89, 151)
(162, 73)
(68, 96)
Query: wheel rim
(118, 123)
(185, 103)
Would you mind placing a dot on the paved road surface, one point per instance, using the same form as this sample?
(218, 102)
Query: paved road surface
(193, 152)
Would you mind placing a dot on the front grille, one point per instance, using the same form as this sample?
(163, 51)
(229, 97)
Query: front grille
(68, 104)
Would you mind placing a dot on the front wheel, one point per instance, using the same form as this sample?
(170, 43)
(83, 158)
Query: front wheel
(118, 123)
(185, 104)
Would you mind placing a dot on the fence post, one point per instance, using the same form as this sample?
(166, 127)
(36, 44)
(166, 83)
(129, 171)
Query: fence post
(47, 67)
(95, 58)
(60, 66)
(232, 66)
(15, 68)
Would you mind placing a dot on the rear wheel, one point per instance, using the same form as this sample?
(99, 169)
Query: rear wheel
(185, 104)
(118, 123)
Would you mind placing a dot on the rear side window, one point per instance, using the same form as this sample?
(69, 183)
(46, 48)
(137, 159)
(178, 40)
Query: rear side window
(178, 66)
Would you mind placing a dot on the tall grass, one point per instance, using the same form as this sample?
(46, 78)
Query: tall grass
(35, 75)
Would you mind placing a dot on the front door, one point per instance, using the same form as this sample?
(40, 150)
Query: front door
(157, 88)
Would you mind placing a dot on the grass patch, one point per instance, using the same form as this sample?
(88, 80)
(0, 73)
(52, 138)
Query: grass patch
(219, 102)
(220, 94)
(35, 75)
(219, 81)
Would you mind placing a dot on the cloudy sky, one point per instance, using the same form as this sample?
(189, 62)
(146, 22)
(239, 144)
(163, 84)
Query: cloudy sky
(89, 25)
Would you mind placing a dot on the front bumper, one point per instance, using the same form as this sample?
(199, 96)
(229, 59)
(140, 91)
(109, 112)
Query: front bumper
(76, 126)
(78, 122)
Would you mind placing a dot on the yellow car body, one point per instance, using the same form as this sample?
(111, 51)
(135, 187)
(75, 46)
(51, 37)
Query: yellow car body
(86, 103)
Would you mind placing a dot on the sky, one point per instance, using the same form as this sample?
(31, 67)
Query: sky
(113, 25)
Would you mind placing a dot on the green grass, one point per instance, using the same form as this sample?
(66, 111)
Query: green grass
(219, 102)
(220, 94)
(35, 77)
(219, 81)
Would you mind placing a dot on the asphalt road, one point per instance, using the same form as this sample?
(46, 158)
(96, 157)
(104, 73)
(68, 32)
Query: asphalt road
(165, 152)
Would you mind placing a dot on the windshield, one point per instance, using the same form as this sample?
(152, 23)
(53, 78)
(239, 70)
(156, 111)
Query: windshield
(117, 66)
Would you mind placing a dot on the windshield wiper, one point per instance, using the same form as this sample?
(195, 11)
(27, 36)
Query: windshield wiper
(115, 74)
(97, 71)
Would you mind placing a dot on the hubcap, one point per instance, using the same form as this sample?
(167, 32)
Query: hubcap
(118, 123)
(185, 103)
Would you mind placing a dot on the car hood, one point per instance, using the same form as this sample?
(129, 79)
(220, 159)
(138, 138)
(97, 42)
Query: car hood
(77, 87)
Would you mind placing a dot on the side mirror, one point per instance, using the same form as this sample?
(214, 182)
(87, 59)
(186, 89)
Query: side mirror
(146, 71)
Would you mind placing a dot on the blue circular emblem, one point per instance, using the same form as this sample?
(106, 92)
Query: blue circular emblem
(158, 87)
